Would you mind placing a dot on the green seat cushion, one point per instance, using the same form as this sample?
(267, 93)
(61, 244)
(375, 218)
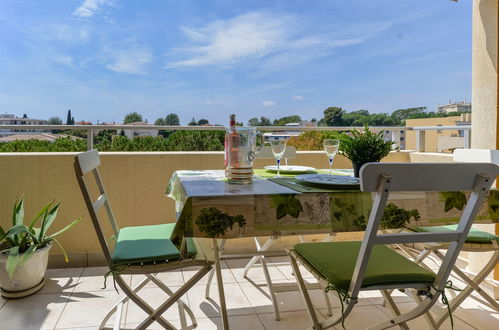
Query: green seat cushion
(191, 247)
(147, 244)
(474, 236)
(335, 261)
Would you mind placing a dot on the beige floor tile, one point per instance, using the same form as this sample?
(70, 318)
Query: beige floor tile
(236, 301)
(286, 301)
(92, 280)
(61, 280)
(168, 278)
(376, 298)
(420, 322)
(227, 275)
(289, 320)
(241, 322)
(86, 309)
(361, 317)
(478, 315)
(39, 311)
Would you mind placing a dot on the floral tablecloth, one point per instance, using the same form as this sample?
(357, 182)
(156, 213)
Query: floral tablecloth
(208, 206)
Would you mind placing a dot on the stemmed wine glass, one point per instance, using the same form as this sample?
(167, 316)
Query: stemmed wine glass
(278, 148)
(331, 148)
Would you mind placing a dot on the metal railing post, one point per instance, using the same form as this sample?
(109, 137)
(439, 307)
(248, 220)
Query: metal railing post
(90, 139)
(420, 140)
(396, 138)
(467, 138)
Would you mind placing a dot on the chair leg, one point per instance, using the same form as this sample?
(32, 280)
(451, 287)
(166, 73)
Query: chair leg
(253, 260)
(418, 311)
(181, 303)
(473, 284)
(141, 304)
(118, 305)
(391, 304)
(155, 315)
(305, 295)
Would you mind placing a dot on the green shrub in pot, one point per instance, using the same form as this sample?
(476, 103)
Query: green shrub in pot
(364, 147)
(23, 244)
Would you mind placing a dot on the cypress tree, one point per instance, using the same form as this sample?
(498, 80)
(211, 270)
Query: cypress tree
(68, 118)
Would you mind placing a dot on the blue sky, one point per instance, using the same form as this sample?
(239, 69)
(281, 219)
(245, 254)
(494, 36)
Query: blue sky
(207, 59)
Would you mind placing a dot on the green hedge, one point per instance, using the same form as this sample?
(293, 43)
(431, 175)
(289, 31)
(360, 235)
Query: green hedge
(177, 141)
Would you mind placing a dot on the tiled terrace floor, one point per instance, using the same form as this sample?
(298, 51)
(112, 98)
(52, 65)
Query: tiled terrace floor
(74, 299)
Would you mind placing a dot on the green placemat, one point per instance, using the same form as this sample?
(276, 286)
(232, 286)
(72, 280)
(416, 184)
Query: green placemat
(269, 174)
(297, 185)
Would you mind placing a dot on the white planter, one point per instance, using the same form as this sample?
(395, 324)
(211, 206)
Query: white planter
(27, 278)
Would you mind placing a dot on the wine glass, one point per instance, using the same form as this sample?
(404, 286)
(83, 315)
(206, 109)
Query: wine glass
(278, 148)
(331, 148)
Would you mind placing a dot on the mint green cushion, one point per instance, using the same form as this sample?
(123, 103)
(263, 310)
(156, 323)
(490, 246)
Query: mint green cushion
(474, 236)
(335, 261)
(147, 244)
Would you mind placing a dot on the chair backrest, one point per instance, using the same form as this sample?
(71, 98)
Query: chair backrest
(266, 153)
(85, 163)
(383, 178)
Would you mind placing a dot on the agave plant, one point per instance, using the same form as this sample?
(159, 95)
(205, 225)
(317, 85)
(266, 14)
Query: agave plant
(21, 240)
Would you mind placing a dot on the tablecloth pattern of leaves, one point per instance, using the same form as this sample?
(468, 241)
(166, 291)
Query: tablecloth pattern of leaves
(208, 206)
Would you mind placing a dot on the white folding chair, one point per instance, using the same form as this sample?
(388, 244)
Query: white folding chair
(143, 250)
(350, 267)
(477, 241)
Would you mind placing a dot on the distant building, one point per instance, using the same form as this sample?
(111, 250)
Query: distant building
(9, 119)
(83, 122)
(439, 140)
(455, 107)
(132, 132)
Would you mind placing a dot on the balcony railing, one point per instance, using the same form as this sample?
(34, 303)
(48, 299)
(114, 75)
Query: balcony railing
(394, 131)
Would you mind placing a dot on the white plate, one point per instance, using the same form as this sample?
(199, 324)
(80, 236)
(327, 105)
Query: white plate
(290, 169)
(332, 181)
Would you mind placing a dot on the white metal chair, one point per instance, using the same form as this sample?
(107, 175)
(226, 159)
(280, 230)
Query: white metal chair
(349, 267)
(477, 241)
(143, 250)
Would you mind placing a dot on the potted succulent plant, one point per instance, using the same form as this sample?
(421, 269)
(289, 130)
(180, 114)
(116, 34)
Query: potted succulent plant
(24, 250)
(364, 147)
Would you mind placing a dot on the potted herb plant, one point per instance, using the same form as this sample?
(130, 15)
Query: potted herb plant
(364, 147)
(24, 250)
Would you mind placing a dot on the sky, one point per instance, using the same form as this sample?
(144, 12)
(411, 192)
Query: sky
(210, 58)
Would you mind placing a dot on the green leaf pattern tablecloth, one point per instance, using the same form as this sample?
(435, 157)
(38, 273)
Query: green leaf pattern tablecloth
(269, 208)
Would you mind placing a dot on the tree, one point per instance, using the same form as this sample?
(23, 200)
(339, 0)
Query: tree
(69, 118)
(333, 116)
(172, 120)
(193, 122)
(54, 121)
(283, 121)
(132, 117)
(264, 121)
(253, 122)
(160, 122)
(202, 122)
(399, 116)
(25, 116)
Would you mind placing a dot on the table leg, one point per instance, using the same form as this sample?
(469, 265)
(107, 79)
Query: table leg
(221, 294)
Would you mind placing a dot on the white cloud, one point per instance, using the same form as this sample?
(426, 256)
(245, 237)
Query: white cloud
(89, 7)
(297, 97)
(268, 103)
(133, 61)
(252, 35)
